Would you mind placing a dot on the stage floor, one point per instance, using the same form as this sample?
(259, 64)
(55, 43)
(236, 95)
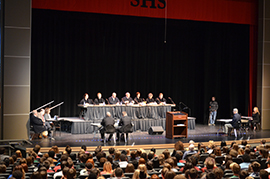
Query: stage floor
(202, 133)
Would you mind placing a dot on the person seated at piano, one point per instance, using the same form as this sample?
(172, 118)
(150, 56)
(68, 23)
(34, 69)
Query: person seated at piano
(127, 99)
(125, 121)
(86, 100)
(38, 124)
(99, 99)
(234, 123)
(150, 99)
(113, 99)
(138, 98)
(256, 117)
(46, 124)
(160, 100)
(108, 120)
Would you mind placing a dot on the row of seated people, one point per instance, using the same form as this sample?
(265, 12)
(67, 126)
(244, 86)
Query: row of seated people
(125, 100)
(203, 162)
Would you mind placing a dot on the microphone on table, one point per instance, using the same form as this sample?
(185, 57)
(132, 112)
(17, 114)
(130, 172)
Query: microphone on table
(171, 100)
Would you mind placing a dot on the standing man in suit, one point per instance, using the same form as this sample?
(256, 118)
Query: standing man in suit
(113, 99)
(125, 120)
(108, 120)
(234, 123)
(213, 107)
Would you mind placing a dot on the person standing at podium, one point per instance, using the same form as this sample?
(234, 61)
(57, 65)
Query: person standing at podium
(213, 107)
(99, 99)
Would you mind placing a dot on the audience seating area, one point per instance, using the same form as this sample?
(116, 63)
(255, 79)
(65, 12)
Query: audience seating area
(196, 161)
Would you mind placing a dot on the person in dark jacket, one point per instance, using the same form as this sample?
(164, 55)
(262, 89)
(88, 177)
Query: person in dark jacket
(213, 107)
(108, 120)
(125, 121)
(256, 116)
(234, 123)
(37, 123)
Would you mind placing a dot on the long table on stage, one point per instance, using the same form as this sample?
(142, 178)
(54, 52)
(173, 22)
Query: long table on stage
(96, 113)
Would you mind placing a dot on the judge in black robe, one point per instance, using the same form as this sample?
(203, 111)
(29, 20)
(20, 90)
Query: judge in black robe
(99, 99)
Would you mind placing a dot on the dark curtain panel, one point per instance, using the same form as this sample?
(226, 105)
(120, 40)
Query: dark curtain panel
(74, 53)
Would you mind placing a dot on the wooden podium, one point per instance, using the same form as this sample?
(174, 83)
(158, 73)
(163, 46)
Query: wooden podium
(176, 124)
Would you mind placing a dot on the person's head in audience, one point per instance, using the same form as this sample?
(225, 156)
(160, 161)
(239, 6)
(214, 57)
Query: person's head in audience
(179, 176)
(243, 174)
(68, 149)
(252, 155)
(139, 152)
(17, 174)
(35, 175)
(124, 152)
(133, 155)
(92, 176)
(233, 153)
(264, 152)
(151, 155)
(210, 175)
(11, 160)
(111, 151)
(110, 158)
(209, 165)
(144, 155)
(101, 177)
(129, 168)
(6, 161)
(136, 174)
(122, 158)
(128, 152)
(55, 149)
(232, 144)
(227, 164)
(235, 168)
(225, 149)
(255, 167)
(153, 150)
(83, 147)
(63, 165)
(192, 160)
(70, 163)
(29, 160)
(161, 159)
(247, 151)
(65, 172)
(2, 150)
(179, 155)
(117, 154)
(71, 173)
(83, 158)
(118, 172)
(263, 141)
(191, 147)
(19, 167)
(187, 166)
(155, 176)
(170, 174)
(175, 161)
(141, 161)
(142, 167)
(241, 151)
(88, 167)
(3, 168)
(246, 158)
(223, 143)
(212, 155)
(19, 154)
(99, 155)
(149, 165)
(264, 174)
(135, 163)
(14, 157)
(167, 166)
(192, 173)
(244, 142)
(164, 171)
(217, 151)
(46, 164)
(235, 147)
(98, 149)
(166, 154)
(51, 153)
(25, 167)
(95, 171)
(102, 161)
(218, 173)
(64, 158)
(207, 161)
(179, 145)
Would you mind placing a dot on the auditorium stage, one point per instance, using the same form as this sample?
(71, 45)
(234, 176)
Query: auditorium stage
(202, 133)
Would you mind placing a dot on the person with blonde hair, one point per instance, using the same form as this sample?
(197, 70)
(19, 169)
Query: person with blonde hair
(107, 168)
(256, 117)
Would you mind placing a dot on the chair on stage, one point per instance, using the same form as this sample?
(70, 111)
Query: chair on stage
(128, 129)
(109, 129)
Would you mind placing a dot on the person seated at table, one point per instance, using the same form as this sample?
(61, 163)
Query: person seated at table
(99, 99)
(150, 98)
(108, 120)
(47, 114)
(86, 100)
(125, 121)
(234, 123)
(46, 124)
(113, 99)
(38, 124)
(256, 117)
(160, 99)
(127, 99)
(137, 99)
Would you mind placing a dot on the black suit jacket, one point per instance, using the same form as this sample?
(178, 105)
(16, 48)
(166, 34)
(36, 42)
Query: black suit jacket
(126, 120)
(37, 124)
(107, 121)
(236, 118)
(124, 99)
(111, 101)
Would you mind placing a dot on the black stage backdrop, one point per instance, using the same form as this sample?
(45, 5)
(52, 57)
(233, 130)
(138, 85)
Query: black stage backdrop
(74, 53)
